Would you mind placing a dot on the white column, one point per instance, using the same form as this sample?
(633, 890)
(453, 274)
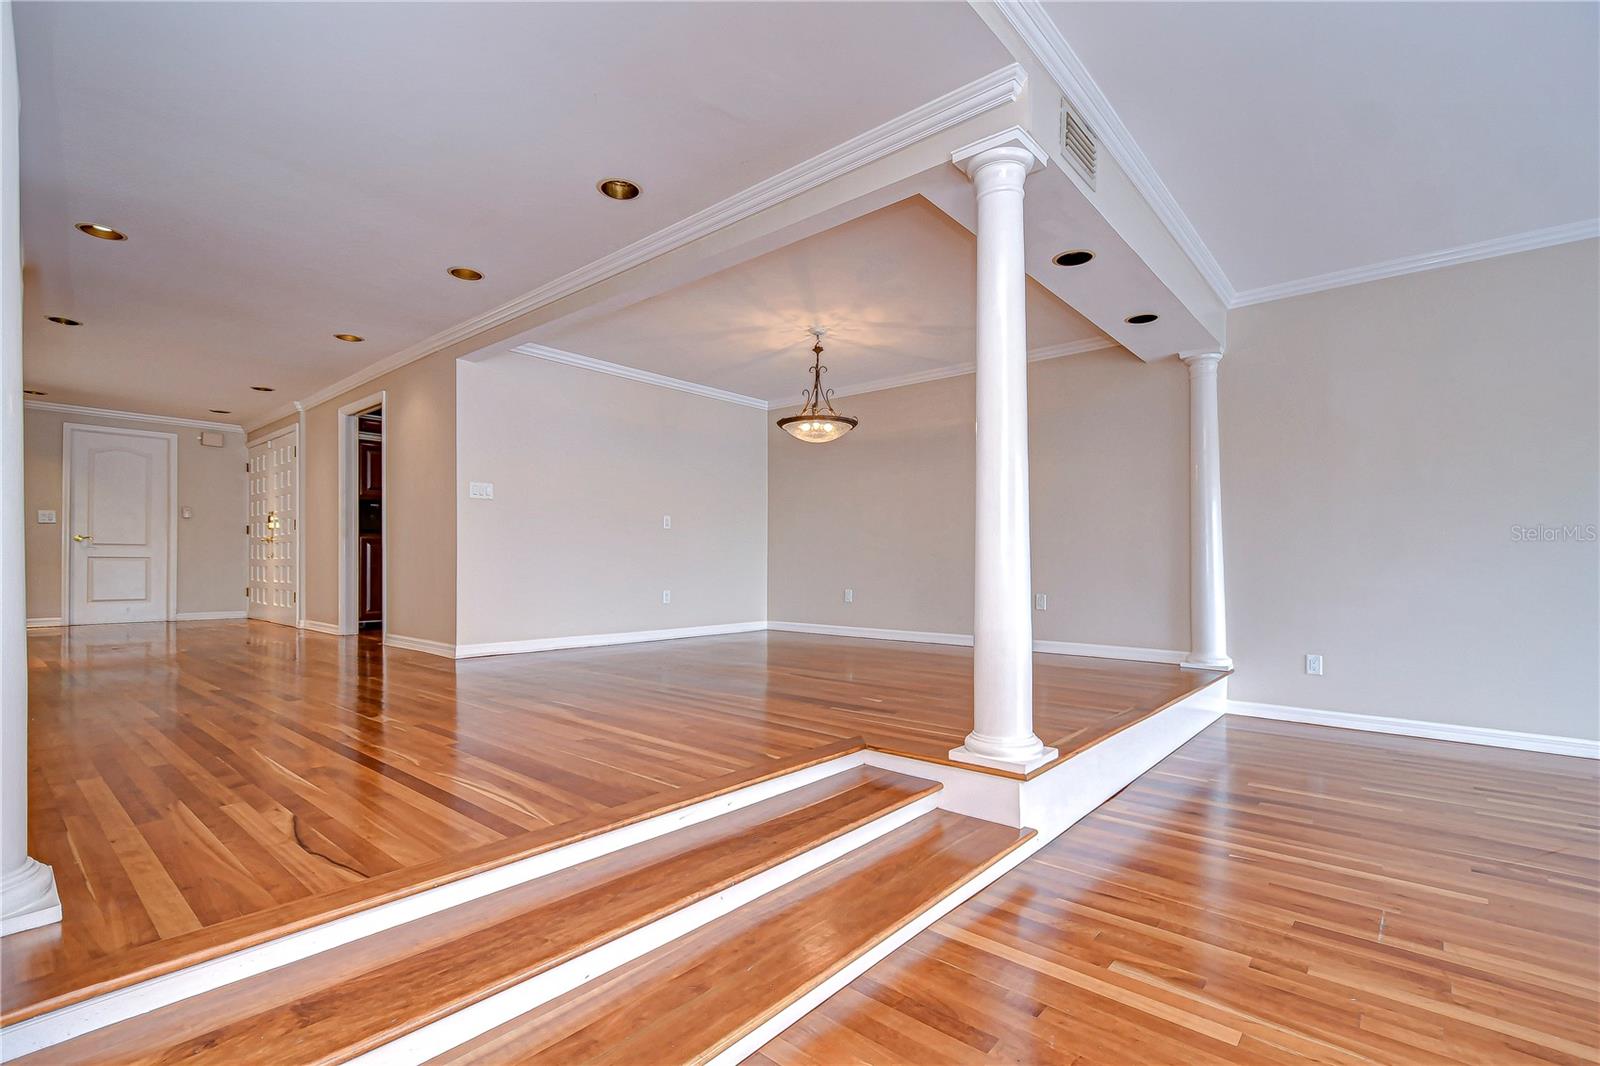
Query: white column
(1002, 688)
(1208, 623)
(27, 887)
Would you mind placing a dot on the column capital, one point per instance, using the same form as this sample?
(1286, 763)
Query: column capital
(1200, 358)
(1013, 144)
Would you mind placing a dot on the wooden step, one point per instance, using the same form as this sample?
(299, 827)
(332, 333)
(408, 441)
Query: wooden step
(695, 998)
(351, 999)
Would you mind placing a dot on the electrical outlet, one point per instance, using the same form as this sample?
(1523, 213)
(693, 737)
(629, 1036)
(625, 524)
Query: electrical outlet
(481, 490)
(1038, 601)
(849, 595)
(666, 521)
(666, 596)
(1314, 665)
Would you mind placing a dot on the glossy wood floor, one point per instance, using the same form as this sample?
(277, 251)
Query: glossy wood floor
(1270, 893)
(197, 783)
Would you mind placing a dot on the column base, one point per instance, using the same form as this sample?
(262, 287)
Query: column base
(1202, 662)
(28, 895)
(1017, 764)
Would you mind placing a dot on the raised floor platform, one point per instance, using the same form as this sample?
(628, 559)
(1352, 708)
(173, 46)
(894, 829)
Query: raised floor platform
(200, 787)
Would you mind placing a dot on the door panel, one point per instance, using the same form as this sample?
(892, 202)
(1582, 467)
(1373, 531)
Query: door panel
(119, 517)
(273, 529)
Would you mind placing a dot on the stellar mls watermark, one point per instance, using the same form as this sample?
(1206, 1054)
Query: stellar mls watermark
(1539, 533)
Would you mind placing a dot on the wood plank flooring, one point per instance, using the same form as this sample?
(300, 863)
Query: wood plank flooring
(1270, 893)
(353, 999)
(197, 784)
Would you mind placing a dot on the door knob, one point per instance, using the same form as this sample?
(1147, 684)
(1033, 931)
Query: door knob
(82, 537)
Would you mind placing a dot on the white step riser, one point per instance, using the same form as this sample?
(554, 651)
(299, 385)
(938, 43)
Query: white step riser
(49, 1029)
(464, 1025)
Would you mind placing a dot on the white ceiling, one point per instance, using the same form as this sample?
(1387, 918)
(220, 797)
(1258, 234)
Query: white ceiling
(290, 171)
(895, 289)
(1306, 138)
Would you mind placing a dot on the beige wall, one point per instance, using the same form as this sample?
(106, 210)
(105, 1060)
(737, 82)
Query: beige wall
(1380, 442)
(211, 545)
(420, 523)
(584, 466)
(888, 509)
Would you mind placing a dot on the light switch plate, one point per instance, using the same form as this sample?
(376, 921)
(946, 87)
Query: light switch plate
(47, 518)
(480, 490)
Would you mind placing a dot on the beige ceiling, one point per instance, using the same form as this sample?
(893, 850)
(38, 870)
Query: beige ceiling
(895, 289)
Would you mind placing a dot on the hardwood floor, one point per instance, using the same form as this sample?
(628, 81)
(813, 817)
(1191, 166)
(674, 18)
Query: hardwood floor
(1269, 893)
(198, 785)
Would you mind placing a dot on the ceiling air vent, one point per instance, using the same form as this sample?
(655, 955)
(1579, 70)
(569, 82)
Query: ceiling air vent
(1079, 145)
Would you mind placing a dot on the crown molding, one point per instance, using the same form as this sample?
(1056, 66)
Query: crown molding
(1045, 40)
(993, 90)
(1036, 355)
(131, 416)
(1465, 253)
(556, 355)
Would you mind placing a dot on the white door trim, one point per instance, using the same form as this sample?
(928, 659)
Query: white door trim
(67, 429)
(299, 430)
(349, 516)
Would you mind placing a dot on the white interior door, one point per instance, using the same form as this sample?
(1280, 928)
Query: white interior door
(274, 528)
(119, 526)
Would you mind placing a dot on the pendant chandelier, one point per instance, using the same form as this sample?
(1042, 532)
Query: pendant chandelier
(817, 422)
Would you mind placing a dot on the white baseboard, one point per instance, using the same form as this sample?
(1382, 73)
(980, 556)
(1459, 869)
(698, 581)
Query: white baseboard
(320, 627)
(44, 623)
(1111, 651)
(206, 616)
(600, 640)
(964, 640)
(912, 636)
(1412, 727)
(428, 647)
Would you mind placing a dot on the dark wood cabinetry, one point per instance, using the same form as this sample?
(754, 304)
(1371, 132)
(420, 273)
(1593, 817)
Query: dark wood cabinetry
(370, 466)
(369, 507)
(371, 564)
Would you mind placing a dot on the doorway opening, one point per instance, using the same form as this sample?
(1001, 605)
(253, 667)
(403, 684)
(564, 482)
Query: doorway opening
(369, 525)
(362, 522)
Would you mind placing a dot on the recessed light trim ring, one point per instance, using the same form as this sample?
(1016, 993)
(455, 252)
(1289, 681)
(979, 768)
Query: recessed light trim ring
(95, 229)
(618, 188)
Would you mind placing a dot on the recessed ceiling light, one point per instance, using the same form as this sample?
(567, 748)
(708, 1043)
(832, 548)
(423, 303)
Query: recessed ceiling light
(619, 188)
(1075, 258)
(58, 320)
(105, 233)
(220, 411)
(465, 274)
(1141, 319)
(349, 337)
(34, 392)
(264, 388)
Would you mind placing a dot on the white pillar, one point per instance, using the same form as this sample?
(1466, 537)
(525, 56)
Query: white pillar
(27, 887)
(1002, 688)
(1208, 623)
